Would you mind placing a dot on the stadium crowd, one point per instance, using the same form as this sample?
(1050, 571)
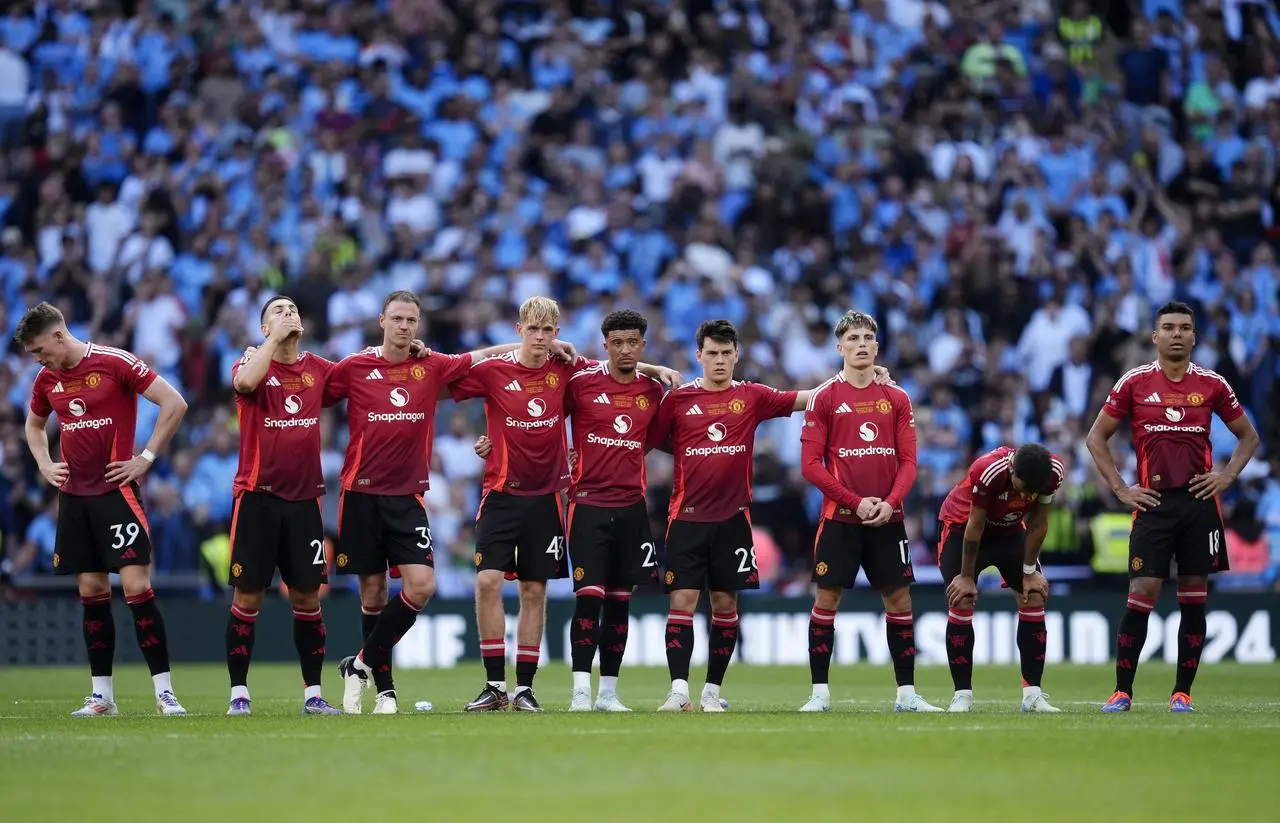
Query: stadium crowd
(1011, 187)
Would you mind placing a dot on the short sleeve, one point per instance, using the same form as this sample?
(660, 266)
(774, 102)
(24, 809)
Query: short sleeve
(338, 387)
(1225, 403)
(1120, 401)
(816, 419)
(473, 384)
(136, 376)
(40, 405)
(660, 428)
(772, 402)
(453, 367)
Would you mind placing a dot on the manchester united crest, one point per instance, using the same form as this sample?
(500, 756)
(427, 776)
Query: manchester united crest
(93, 381)
(479, 559)
(642, 403)
(821, 569)
(1136, 564)
(884, 406)
(553, 380)
(417, 372)
(308, 379)
(1195, 399)
(670, 577)
(737, 406)
(57, 559)
(578, 573)
(236, 570)
(342, 561)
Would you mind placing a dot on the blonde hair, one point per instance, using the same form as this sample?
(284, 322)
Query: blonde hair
(540, 311)
(855, 320)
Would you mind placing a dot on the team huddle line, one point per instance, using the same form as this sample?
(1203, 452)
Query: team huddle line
(544, 517)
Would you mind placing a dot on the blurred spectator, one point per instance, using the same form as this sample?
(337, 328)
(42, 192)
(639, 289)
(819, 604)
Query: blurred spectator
(1010, 188)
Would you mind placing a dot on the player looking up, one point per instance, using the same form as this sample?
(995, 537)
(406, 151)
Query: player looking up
(998, 515)
(276, 521)
(859, 448)
(1170, 404)
(102, 527)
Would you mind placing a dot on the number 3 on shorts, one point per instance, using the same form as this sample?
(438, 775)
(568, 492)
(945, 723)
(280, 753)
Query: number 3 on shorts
(318, 545)
(746, 560)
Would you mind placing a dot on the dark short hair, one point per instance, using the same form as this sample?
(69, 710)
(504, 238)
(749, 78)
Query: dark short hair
(262, 317)
(1033, 465)
(401, 296)
(624, 320)
(721, 331)
(1175, 307)
(37, 320)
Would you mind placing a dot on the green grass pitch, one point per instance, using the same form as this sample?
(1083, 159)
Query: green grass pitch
(760, 762)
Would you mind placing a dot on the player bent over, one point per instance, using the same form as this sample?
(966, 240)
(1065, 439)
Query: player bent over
(102, 528)
(276, 521)
(998, 515)
(859, 448)
(1170, 404)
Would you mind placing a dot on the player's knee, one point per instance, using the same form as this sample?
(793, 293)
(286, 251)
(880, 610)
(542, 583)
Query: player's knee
(684, 600)
(488, 584)
(248, 600)
(827, 599)
(724, 601)
(533, 594)
(421, 588)
(309, 599)
(373, 591)
(1146, 586)
(896, 600)
(94, 585)
(134, 580)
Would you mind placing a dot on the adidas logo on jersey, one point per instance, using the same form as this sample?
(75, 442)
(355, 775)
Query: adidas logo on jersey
(1152, 398)
(604, 398)
(514, 385)
(271, 381)
(844, 409)
(58, 388)
(374, 375)
(694, 409)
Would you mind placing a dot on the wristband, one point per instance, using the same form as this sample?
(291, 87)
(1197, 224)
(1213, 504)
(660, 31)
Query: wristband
(148, 455)
(1029, 569)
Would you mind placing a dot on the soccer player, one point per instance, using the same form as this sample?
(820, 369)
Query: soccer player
(382, 516)
(524, 392)
(998, 515)
(710, 424)
(102, 527)
(1170, 404)
(276, 522)
(611, 405)
(859, 448)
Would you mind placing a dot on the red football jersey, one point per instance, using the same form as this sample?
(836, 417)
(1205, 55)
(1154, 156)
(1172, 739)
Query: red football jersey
(97, 406)
(391, 410)
(1170, 421)
(524, 412)
(859, 443)
(989, 484)
(280, 429)
(713, 435)
(610, 422)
